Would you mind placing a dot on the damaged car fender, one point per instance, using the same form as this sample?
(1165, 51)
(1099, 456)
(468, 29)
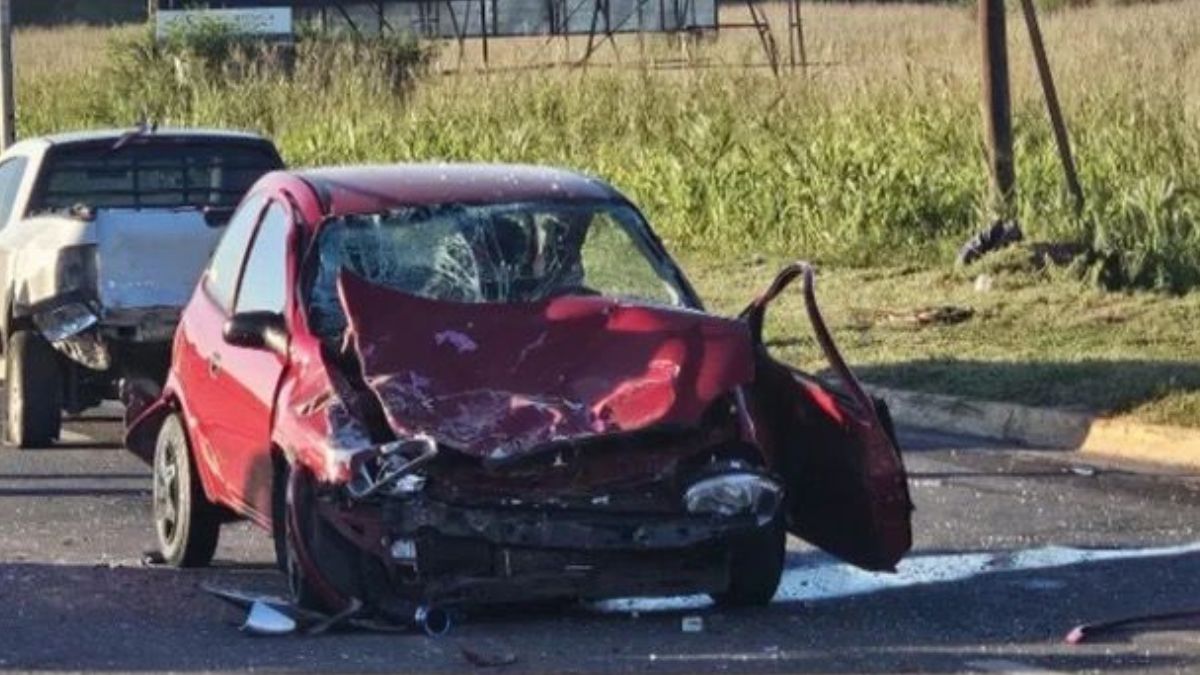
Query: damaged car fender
(54, 258)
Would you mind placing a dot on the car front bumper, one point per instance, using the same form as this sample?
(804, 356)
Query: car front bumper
(431, 551)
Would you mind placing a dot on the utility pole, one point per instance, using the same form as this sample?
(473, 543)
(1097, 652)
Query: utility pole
(1061, 139)
(8, 108)
(997, 106)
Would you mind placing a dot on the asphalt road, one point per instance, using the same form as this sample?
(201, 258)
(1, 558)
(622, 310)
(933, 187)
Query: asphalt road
(1013, 549)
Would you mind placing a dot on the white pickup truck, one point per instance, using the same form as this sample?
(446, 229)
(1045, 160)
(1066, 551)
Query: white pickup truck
(103, 235)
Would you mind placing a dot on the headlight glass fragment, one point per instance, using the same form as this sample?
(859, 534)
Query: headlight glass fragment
(65, 321)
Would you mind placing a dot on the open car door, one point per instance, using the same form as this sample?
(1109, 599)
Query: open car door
(833, 446)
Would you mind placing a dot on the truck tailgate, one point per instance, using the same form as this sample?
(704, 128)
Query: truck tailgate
(148, 258)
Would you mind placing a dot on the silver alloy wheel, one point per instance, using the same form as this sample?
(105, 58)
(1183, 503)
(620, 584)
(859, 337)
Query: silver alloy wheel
(166, 494)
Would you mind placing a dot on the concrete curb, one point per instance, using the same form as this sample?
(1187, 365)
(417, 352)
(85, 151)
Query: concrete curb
(1045, 427)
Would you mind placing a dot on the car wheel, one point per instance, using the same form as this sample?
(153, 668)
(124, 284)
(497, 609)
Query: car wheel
(279, 482)
(34, 385)
(755, 568)
(186, 522)
(335, 560)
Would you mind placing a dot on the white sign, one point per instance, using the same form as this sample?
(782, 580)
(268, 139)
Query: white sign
(264, 21)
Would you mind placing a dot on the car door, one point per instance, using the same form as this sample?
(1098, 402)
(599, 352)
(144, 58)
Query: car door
(834, 446)
(199, 345)
(247, 378)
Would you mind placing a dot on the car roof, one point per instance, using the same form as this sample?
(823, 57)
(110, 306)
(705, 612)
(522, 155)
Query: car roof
(371, 189)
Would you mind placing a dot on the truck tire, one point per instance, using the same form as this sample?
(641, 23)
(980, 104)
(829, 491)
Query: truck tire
(34, 383)
(186, 522)
(755, 568)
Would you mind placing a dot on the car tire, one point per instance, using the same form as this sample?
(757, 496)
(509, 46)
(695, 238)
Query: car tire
(186, 522)
(34, 383)
(337, 559)
(755, 568)
(279, 482)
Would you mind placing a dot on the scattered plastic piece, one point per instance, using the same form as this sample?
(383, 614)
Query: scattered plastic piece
(264, 619)
(693, 624)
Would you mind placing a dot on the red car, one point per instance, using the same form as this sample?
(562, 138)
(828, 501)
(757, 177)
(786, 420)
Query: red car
(450, 384)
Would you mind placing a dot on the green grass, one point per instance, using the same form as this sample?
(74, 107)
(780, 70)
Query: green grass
(870, 164)
(873, 159)
(1039, 338)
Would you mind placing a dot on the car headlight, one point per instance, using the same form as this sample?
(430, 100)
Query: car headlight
(734, 494)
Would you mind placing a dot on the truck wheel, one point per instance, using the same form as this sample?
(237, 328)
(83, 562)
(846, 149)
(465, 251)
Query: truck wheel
(755, 568)
(186, 522)
(34, 383)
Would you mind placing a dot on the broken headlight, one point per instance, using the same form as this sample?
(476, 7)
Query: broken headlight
(735, 494)
(65, 321)
(389, 469)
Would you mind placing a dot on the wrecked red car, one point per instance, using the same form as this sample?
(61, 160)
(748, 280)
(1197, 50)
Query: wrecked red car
(449, 384)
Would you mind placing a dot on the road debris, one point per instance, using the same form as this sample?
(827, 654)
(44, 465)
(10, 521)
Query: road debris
(264, 619)
(270, 615)
(1089, 631)
(692, 624)
(487, 655)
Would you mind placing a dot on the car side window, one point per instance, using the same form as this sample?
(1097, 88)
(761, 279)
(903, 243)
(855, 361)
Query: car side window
(264, 281)
(222, 276)
(11, 172)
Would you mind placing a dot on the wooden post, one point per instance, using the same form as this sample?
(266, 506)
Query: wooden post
(997, 106)
(1061, 139)
(8, 112)
(483, 30)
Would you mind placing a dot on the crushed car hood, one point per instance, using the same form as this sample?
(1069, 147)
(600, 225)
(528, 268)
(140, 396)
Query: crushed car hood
(497, 381)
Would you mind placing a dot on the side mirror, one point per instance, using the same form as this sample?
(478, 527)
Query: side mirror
(257, 330)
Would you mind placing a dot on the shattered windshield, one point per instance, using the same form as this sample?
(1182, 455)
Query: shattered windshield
(495, 253)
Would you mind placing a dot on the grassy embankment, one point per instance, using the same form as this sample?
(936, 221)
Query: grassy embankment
(871, 165)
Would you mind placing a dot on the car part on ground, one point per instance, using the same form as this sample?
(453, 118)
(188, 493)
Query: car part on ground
(273, 615)
(456, 385)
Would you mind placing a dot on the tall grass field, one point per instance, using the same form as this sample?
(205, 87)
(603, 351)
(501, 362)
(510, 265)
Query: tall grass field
(873, 155)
